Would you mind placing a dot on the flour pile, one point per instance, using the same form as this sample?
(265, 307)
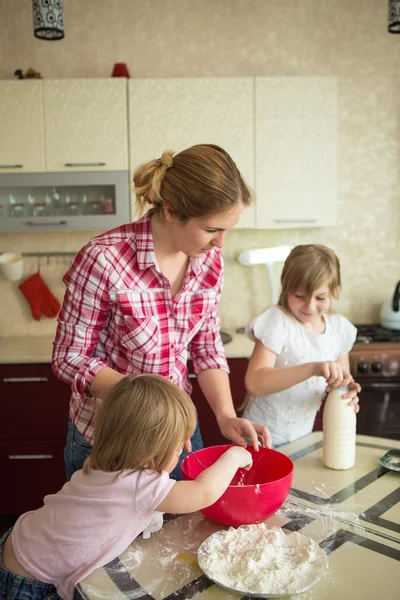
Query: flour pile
(256, 560)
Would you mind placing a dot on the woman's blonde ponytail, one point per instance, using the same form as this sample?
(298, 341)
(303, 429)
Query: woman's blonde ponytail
(199, 181)
(148, 179)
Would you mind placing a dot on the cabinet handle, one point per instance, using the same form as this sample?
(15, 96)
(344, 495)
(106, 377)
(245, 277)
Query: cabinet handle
(29, 456)
(24, 379)
(11, 166)
(47, 224)
(295, 220)
(192, 376)
(95, 164)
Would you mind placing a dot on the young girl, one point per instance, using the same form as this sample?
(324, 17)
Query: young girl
(301, 348)
(140, 430)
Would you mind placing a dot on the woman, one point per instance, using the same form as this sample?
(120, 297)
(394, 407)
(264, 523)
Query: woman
(140, 296)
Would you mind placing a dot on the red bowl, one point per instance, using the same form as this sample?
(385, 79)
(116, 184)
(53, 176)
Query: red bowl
(252, 496)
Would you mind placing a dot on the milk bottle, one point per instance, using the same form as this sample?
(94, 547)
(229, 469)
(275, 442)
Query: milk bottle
(339, 427)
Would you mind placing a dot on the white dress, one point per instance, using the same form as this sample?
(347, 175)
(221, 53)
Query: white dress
(290, 414)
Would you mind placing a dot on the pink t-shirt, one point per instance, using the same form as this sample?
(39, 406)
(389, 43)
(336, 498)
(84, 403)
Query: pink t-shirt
(88, 523)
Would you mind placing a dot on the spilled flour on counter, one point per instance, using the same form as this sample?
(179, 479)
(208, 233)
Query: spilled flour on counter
(256, 560)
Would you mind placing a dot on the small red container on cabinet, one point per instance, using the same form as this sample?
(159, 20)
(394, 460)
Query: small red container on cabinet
(120, 70)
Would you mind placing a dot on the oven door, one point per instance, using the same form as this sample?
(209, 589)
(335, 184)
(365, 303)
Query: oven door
(379, 409)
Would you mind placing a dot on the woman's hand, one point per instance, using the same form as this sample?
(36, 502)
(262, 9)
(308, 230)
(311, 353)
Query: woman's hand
(354, 389)
(238, 430)
(333, 372)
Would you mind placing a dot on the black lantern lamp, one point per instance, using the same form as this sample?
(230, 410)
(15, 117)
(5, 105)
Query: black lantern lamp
(394, 16)
(48, 19)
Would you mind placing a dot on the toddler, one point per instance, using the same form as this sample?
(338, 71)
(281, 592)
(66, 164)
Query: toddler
(121, 491)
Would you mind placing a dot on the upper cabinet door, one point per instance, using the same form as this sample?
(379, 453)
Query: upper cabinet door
(21, 126)
(296, 151)
(86, 124)
(173, 114)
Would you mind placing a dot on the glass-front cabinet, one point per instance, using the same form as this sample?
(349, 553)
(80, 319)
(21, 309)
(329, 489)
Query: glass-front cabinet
(63, 201)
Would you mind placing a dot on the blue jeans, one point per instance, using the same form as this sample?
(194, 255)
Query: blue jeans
(197, 443)
(77, 449)
(16, 587)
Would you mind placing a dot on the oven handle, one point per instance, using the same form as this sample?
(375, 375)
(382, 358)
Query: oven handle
(383, 385)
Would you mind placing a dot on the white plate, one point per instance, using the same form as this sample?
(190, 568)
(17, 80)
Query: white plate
(289, 541)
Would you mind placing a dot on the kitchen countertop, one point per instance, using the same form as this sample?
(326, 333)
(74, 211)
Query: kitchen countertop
(354, 515)
(23, 350)
(38, 349)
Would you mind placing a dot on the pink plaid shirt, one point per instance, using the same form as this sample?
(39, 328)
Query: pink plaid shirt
(118, 312)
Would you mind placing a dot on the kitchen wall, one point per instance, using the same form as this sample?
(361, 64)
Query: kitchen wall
(178, 38)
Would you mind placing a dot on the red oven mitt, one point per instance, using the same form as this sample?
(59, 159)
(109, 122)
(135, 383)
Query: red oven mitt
(39, 296)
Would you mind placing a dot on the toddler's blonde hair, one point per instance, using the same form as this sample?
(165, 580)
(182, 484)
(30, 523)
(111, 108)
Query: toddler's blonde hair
(140, 424)
(307, 268)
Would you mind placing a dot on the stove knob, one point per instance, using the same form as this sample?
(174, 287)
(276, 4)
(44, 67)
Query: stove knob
(376, 367)
(362, 367)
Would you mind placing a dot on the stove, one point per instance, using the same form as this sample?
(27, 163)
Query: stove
(375, 365)
(376, 352)
(372, 334)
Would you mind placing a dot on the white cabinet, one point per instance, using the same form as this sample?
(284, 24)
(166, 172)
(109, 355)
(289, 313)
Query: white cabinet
(21, 127)
(86, 124)
(296, 151)
(63, 125)
(173, 114)
(281, 132)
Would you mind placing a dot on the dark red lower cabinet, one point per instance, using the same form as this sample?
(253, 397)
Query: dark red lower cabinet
(29, 471)
(33, 427)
